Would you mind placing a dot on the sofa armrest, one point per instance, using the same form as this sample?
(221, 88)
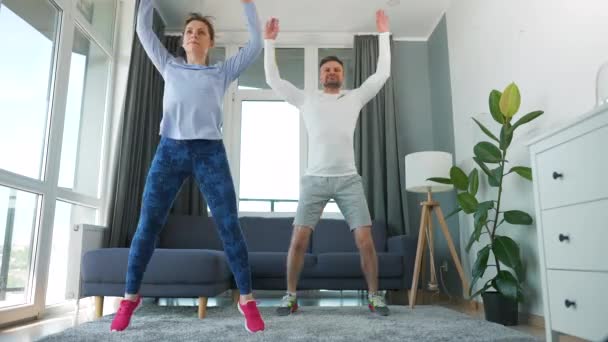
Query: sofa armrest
(402, 244)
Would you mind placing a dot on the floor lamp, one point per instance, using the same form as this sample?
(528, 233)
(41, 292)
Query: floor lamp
(418, 168)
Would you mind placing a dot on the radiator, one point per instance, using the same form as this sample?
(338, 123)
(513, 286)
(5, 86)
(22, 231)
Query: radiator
(83, 238)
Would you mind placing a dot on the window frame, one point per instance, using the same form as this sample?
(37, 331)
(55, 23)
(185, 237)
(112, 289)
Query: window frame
(232, 120)
(69, 19)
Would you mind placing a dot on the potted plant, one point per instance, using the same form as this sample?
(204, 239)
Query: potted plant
(502, 293)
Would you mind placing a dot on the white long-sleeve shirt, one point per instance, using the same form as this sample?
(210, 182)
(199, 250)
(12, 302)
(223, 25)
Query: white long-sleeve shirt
(330, 119)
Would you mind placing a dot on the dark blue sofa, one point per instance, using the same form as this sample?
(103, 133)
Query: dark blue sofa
(189, 261)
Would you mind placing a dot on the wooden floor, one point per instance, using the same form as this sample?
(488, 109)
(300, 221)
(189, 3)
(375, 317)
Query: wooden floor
(59, 322)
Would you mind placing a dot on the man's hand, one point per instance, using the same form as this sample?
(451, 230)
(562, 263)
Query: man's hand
(382, 21)
(271, 30)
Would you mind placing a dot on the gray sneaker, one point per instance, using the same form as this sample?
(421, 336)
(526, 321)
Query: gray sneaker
(377, 305)
(289, 305)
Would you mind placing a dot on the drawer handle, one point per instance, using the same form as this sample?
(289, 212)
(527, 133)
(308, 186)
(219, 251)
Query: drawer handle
(563, 238)
(570, 303)
(557, 175)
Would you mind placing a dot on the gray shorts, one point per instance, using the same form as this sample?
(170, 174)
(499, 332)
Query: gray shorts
(347, 191)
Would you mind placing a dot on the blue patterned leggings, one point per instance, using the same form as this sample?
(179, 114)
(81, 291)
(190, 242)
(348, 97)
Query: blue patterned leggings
(173, 162)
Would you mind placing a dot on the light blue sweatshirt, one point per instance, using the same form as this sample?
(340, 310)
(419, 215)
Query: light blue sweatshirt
(193, 98)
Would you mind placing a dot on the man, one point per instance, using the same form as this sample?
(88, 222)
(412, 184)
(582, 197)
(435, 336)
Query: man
(330, 118)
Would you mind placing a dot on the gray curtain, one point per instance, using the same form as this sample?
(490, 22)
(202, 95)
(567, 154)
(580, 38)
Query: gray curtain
(138, 139)
(377, 154)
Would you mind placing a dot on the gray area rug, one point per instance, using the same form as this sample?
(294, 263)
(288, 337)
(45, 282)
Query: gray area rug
(424, 323)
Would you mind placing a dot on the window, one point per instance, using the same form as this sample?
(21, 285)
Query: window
(66, 216)
(45, 42)
(18, 221)
(270, 158)
(84, 117)
(346, 56)
(291, 68)
(100, 15)
(273, 143)
(26, 66)
(217, 54)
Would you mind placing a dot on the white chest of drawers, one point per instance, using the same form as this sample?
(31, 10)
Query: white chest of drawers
(570, 170)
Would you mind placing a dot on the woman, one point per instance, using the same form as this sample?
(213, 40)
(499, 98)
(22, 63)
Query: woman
(191, 144)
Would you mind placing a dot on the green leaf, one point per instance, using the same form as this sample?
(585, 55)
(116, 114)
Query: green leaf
(527, 118)
(459, 178)
(485, 169)
(520, 272)
(455, 211)
(473, 182)
(518, 217)
(523, 171)
(506, 136)
(486, 131)
(487, 152)
(480, 219)
(495, 180)
(474, 237)
(506, 251)
(520, 295)
(507, 285)
(480, 266)
(467, 202)
(510, 101)
(440, 180)
(483, 289)
(487, 205)
(476, 232)
(495, 96)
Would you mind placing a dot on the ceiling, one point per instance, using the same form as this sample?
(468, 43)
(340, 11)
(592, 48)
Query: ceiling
(409, 19)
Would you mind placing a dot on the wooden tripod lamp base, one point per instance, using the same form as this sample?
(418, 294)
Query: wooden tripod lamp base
(419, 167)
(425, 237)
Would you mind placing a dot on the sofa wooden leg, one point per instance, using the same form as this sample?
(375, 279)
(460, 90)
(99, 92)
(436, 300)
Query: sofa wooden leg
(98, 306)
(202, 307)
(236, 294)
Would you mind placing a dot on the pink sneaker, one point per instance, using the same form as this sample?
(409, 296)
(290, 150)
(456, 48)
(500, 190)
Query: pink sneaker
(123, 316)
(253, 319)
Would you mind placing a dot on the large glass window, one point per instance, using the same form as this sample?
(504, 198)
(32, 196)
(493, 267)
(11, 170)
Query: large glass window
(217, 55)
(270, 156)
(100, 14)
(291, 68)
(18, 222)
(66, 217)
(38, 76)
(28, 35)
(84, 117)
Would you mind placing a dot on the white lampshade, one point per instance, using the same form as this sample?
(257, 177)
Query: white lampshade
(420, 166)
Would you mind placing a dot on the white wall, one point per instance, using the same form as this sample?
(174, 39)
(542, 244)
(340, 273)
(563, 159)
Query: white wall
(552, 50)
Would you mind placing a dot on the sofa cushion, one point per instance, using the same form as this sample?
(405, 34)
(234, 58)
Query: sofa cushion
(331, 236)
(274, 264)
(167, 266)
(267, 234)
(333, 265)
(190, 232)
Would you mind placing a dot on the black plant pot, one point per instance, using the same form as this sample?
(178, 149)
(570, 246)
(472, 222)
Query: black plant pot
(500, 309)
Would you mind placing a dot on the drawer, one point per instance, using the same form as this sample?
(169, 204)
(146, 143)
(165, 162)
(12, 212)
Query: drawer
(587, 297)
(583, 166)
(575, 237)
